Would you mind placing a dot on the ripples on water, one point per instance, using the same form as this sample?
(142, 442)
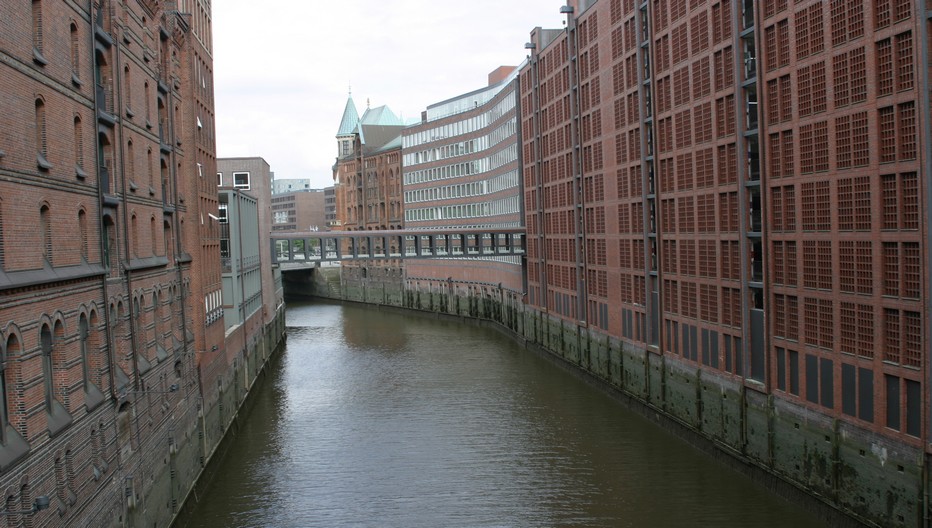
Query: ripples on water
(385, 419)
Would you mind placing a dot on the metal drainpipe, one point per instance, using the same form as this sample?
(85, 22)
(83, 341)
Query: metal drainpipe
(541, 226)
(134, 339)
(242, 282)
(100, 200)
(572, 35)
(176, 223)
(926, 113)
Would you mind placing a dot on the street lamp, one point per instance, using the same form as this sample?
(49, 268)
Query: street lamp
(41, 503)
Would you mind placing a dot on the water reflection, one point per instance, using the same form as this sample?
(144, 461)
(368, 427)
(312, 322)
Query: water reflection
(385, 419)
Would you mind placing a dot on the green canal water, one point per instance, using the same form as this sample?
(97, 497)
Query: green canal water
(384, 419)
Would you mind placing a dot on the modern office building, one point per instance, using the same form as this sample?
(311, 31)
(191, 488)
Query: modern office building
(461, 169)
(299, 211)
(286, 185)
(252, 177)
(739, 187)
(330, 208)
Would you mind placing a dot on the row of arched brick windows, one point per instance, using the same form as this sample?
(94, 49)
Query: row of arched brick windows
(46, 240)
(75, 368)
(72, 367)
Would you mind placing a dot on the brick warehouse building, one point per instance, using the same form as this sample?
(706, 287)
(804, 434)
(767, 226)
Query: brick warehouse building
(111, 327)
(367, 183)
(735, 187)
(461, 169)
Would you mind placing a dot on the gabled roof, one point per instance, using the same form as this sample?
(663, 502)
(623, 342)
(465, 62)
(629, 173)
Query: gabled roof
(381, 115)
(380, 137)
(350, 119)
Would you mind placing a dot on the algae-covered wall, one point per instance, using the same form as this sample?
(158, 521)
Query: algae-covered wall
(849, 475)
(190, 461)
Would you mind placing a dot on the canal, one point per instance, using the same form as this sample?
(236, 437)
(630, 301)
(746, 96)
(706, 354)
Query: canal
(385, 419)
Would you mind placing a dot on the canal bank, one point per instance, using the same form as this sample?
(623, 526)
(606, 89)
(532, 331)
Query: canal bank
(848, 476)
(196, 453)
(384, 417)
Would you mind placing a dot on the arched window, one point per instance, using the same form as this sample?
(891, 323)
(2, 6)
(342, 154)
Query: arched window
(148, 104)
(45, 340)
(37, 31)
(95, 359)
(166, 190)
(110, 244)
(106, 180)
(134, 226)
(153, 236)
(169, 243)
(69, 477)
(156, 319)
(149, 171)
(75, 54)
(45, 225)
(82, 233)
(130, 161)
(41, 137)
(127, 91)
(59, 477)
(79, 148)
(83, 338)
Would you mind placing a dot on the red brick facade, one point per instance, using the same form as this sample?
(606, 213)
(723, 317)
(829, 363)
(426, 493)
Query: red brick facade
(741, 185)
(109, 278)
(367, 185)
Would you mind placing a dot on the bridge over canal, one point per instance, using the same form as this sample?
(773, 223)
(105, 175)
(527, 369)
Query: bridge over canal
(306, 249)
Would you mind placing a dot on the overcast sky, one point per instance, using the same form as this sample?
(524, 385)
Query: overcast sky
(283, 68)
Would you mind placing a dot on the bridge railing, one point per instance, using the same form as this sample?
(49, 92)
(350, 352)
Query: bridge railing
(313, 247)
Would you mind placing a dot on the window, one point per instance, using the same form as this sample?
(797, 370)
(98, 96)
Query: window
(79, 149)
(41, 137)
(37, 33)
(222, 213)
(130, 171)
(82, 229)
(148, 104)
(241, 180)
(219, 179)
(75, 55)
(45, 339)
(153, 235)
(45, 224)
(128, 92)
(83, 343)
(134, 233)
